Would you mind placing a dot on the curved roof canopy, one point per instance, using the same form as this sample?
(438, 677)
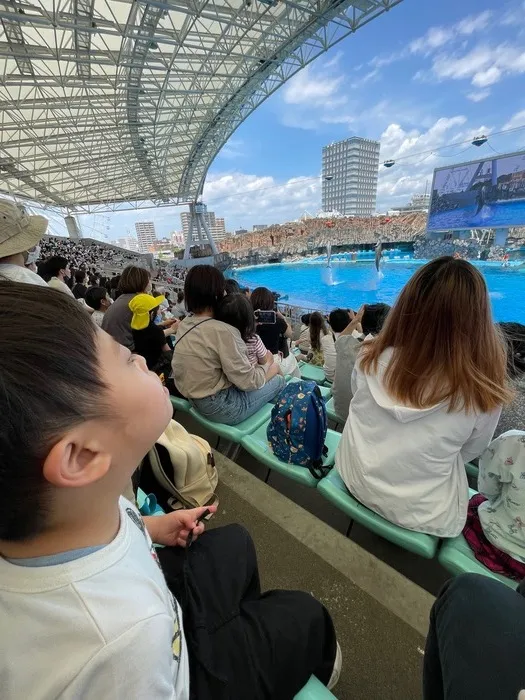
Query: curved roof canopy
(113, 101)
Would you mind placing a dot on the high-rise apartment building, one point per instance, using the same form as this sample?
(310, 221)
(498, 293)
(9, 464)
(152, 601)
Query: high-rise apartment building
(349, 173)
(216, 225)
(129, 242)
(145, 235)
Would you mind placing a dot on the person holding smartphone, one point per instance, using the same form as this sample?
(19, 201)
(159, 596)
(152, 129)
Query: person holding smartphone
(274, 330)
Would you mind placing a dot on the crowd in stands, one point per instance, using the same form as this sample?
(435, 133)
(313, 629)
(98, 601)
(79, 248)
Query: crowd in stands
(469, 249)
(88, 256)
(298, 237)
(422, 389)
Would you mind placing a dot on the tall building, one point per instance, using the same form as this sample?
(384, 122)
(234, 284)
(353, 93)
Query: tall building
(419, 202)
(129, 243)
(145, 235)
(216, 225)
(349, 171)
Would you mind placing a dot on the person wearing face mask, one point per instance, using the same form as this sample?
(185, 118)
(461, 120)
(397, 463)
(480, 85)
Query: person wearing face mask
(20, 234)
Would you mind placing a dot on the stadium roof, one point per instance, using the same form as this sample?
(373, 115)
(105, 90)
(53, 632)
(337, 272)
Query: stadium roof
(105, 102)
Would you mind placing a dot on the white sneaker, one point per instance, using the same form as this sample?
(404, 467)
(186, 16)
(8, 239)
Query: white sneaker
(334, 678)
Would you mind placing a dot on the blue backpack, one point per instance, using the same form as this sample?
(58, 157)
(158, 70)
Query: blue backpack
(297, 429)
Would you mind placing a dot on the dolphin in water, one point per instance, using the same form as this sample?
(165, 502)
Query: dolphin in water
(379, 254)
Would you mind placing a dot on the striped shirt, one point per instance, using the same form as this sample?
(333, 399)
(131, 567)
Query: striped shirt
(255, 349)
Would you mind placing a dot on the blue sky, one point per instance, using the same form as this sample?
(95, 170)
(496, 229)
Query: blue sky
(418, 78)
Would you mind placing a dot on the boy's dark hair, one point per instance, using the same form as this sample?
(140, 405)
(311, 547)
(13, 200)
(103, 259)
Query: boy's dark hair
(80, 276)
(203, 288)
(339, 320)
(133, 280)
(50, 382)
(374, 316)
(305, 319)
(514, 334)
(262, 298)
(236, 310)
(232, 287)
(54, 264)
(95, 296)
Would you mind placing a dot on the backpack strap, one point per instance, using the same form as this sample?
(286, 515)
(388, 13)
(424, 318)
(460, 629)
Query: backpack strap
(190, 330)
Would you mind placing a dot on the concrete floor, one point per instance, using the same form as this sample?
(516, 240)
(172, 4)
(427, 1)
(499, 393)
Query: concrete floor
(380, 616)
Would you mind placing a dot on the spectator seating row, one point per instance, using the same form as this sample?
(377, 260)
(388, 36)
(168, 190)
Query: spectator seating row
(454, 554)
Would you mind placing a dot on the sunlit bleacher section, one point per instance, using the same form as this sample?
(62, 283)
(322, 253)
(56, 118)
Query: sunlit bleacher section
(304, 236)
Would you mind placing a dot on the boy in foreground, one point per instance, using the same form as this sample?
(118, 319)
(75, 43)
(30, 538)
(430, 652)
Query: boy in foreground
(85, 610)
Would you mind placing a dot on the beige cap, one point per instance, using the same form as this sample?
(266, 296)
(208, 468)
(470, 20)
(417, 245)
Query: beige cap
(19, 231)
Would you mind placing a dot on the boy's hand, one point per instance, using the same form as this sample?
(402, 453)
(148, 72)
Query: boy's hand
(173, 529)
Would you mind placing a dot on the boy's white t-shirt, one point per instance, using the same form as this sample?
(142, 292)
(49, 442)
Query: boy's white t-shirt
(102, 626)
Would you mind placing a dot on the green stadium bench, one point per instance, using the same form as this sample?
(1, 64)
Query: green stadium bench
(257, 445)
(326, 391)
(314, 690)
(456, 557)
(180, 404)
(316, 374)
(334, 490)
(332, 415)
(235, 433)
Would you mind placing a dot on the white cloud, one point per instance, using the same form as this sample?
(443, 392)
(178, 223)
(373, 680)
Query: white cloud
(246, 199)
(416, 155)
(483, 65)
(478, 96)
(307, 88)
(517, 119)
(234, 148)
(437, 37)
(371, 76)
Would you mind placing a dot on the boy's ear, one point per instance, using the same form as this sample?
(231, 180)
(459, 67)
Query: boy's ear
(72, 463)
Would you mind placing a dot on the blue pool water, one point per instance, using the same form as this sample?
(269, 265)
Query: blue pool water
(347, 284)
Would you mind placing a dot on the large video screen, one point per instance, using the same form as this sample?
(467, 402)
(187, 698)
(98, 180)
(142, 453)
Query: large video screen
(481, 194)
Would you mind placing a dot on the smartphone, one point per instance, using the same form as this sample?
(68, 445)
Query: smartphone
(266, 317)
(207, 513)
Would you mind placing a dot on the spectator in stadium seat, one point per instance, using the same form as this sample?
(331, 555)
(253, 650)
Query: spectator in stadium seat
(476, 642)
(232, 287)
(99, 300)
(57, 272)
(275, 335)
(20, 233)
(117, 319)
(495, 519)
(79, 289)
(148, 338)
(236, 310)
(318, 330)
(367, 322)
(179, 310)
(80, 580)
(303, 342)
(513, 415)
(427, 396)
(338, 321)
(210, 364)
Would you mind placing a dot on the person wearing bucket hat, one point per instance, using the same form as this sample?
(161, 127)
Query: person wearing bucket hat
(20, 234)
(148, 338)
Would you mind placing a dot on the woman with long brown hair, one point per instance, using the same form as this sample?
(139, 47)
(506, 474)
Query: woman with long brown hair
(427, 395)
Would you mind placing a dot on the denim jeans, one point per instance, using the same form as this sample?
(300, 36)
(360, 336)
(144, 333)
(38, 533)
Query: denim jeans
(476, 642)
(232, 406)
